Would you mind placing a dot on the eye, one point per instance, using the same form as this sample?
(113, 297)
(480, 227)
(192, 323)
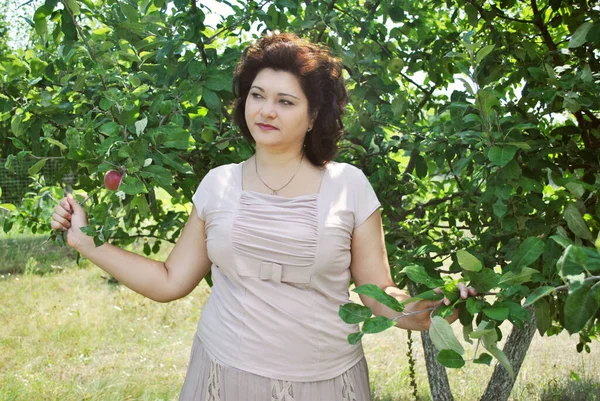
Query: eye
(256, 95)
(286, 102)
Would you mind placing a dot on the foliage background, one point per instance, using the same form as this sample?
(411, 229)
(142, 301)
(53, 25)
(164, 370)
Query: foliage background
(477, 124)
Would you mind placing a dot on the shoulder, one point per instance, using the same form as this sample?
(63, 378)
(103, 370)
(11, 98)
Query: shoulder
(345, 171)
(222, 174)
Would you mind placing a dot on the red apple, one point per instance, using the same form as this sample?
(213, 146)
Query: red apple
(112, 180)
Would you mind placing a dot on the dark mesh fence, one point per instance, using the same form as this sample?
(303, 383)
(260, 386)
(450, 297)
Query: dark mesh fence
(16, 181)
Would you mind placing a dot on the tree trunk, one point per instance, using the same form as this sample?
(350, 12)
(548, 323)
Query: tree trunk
(436, 373)
(516, 347)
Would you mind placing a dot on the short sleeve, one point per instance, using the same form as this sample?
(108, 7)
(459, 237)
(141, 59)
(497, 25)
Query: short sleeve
(201, 195)
(365, 199)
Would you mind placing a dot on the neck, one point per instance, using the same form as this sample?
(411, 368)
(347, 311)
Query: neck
(277, 161)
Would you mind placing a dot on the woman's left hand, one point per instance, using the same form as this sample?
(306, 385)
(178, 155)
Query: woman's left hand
(421, 311)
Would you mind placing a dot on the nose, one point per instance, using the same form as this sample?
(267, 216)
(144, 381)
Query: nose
(268, 110)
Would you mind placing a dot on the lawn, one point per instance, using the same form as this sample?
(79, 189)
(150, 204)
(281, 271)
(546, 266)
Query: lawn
(72, 335)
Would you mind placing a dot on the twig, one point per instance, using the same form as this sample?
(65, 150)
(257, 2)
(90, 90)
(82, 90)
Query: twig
(404, 314)
(566, 286)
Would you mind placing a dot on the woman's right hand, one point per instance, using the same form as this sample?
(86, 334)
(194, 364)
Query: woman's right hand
(69, 216)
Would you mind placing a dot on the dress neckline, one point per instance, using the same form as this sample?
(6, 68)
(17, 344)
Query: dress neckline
(324, 176)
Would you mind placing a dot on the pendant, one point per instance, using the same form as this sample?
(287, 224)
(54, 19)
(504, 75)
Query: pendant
(275, 192)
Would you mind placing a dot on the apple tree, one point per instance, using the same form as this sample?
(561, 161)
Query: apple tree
(478, 125)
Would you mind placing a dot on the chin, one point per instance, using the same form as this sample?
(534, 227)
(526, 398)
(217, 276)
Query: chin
(265, 138)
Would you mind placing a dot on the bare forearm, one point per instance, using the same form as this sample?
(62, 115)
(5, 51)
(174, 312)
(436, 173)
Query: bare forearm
(409, 320)
(143, 275)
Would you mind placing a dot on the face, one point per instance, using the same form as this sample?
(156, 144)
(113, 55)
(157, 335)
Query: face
(277, 110)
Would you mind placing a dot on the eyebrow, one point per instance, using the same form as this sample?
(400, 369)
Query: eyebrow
(280, 93)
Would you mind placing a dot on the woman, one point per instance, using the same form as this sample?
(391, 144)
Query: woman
(282, 232)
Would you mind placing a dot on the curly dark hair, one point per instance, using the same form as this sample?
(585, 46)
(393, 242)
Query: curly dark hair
(320, 76)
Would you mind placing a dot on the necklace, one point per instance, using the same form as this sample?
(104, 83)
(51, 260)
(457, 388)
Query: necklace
(276, 191)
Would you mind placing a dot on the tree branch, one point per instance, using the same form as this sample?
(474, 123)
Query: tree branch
(539, 22)
(410, 166)
(329, 8)
(587, 280)
(432, 202)
(454, 175)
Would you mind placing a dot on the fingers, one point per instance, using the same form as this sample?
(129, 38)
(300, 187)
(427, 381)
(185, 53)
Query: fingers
(73, 204)
(462, 288)
(61, 218)
(445, 301)
(55, 225)
(56, 218)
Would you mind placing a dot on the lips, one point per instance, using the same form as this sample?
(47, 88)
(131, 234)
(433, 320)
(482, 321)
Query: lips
(266, 127)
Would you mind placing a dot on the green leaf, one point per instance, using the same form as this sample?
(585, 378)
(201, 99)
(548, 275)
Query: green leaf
(101, 33)
(571, 262)
(212, 101)
(176, 138)
(485, 280)
(490, 344)
(73, 138)
(109, 128)
(562, 241)
(580, 34)
(520, 277)
(352, 313)
(132, 186)
(537, 294)
(62, 146)
(140, 126)
(375, 292)
(475, 305)
(484, 359)
(468, 262)
(429, 295)
(377, 324)
(483, 330)
(575, 188)
(159, 174)
(496, 312)
(130, 12)
(8, 207)
(593, 35)
(501, 155)
(74, 7)
(16, 124)
(218, 82)
(579, 307)
(528, 252)
(37, 167)
(354, 338)
(418, 274)
(89, 231)
(543, 319)
(481, 54)
(442, 336)
(105, 104)
(500, 208)
(450, 359)
(576, 223)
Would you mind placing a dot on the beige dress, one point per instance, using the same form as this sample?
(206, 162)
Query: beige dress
(270, 330)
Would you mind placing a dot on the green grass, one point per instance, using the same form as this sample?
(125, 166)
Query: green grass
(33, 254)
(70, 335)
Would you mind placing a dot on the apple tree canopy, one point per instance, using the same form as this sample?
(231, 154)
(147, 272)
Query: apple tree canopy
(477, 123)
